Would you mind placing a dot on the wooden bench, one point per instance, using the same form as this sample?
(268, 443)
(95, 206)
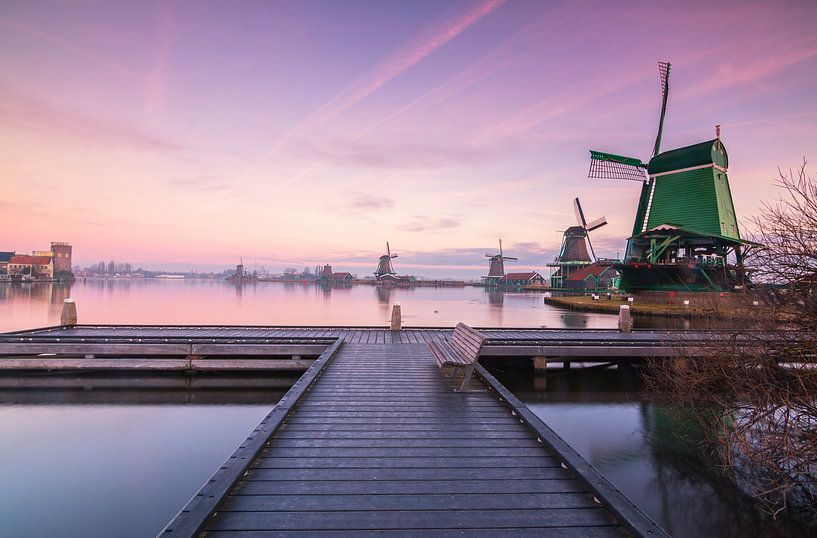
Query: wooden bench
(461, 352)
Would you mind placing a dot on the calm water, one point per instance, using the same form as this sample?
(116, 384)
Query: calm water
(158, 301)
(110, 470)
(120, 461)
(647, 451)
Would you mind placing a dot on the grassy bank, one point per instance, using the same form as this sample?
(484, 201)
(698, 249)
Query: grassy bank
(585, 303)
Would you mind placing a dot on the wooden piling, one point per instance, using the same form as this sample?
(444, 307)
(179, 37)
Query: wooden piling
(625, 321)
(396, 318)
(68, 318)
(540, 365)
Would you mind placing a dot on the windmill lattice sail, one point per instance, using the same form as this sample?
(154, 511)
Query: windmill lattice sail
(611, 166)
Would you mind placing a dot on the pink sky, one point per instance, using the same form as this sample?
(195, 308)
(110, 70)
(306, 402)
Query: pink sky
(189, 134)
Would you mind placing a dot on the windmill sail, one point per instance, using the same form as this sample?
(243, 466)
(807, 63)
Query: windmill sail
(611, 166)
(663, 70)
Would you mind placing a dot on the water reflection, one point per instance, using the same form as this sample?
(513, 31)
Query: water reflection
(108, 470)
(647, 450)
(158, 301)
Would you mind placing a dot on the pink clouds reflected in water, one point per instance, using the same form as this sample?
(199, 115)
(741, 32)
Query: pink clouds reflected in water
(155, 301)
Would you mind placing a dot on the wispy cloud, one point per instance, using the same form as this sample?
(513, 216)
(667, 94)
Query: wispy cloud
(48, 119)
(432, 38)
(369, 202)
(728, 74)
(71, 46)
(155, 92)
(399, 155)
(422, 223)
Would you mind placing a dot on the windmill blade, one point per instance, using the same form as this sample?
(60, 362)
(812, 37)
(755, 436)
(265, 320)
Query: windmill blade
(598, 223)
(500, 247)
(663, 72)
(509, 258)
(612, 166)
(577, 209)
(592, 252)
(388, 250)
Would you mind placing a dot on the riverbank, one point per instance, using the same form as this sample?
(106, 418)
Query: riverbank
(603, 305)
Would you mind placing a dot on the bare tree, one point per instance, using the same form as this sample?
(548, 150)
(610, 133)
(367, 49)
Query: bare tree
(755, 392)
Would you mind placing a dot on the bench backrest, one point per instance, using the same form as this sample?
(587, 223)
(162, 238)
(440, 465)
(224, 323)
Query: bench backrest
(467, 341)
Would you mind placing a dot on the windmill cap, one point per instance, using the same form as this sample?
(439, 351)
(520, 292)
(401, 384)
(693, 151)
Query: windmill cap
(703, 153)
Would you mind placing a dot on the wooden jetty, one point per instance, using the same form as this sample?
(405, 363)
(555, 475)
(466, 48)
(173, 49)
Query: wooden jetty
(373, 440)
(256, 348)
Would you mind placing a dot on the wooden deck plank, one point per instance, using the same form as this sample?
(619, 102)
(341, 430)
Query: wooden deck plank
(409, 520)
(447, 473)
(283, 441)
(561, 532)
(411, 487)
(461, 501)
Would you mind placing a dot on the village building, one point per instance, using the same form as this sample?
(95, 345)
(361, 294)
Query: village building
(531, 278)
(342, 278)
(592, 277)
(5, 257)
(34, 266)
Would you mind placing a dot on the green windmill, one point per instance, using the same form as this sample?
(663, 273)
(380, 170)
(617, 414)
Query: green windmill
(685, 235)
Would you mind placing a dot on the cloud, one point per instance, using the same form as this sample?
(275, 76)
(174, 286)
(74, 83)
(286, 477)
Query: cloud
(71, 46)
(367, 202)
(422, 223)
(758, 68)
(48, 119)
(397, 155)
(409, 56)
(432, 38)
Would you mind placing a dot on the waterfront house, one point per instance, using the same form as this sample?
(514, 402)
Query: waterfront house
(35, 266)
(342, 278)
(591, 277)
(531, 278)
(5, 257)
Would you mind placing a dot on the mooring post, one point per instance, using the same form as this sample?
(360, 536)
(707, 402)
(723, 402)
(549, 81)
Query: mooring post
(69, 313)
(540, 365)
(396, 319)
(625, 322)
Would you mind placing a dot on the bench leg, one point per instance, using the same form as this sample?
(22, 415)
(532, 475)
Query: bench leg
(469, 370)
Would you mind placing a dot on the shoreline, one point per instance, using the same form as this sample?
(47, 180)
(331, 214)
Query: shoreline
(585, 303)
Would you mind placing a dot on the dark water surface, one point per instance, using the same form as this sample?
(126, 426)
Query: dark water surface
(110, 470)
(646, 450)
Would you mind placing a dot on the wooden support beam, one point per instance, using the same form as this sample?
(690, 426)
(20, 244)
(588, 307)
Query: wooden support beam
(540, 365)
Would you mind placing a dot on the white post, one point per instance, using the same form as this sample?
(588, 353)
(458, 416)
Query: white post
(625, 322)
(396, 319)
(69, 313)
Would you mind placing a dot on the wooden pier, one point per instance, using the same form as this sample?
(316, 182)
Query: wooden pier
(373, 440)
(253, 348)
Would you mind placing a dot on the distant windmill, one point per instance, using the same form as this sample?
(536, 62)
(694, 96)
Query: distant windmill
(496, 266)
(384, 267)
(585, 227)
(575, 241)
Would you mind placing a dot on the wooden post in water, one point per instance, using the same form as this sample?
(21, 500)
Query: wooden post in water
(396, 318)
(625, 322)
(540, 365)
(69, 313)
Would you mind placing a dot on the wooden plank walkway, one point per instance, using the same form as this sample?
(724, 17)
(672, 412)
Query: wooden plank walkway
(196, 342)
(377, 442)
